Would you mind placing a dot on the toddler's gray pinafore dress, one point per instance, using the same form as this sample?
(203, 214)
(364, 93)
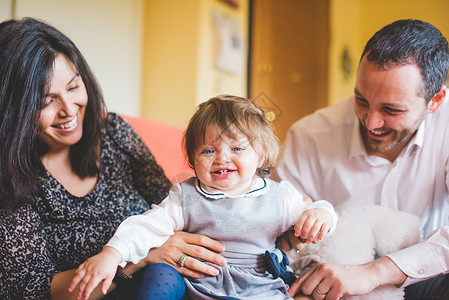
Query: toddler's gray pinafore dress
(247, 226)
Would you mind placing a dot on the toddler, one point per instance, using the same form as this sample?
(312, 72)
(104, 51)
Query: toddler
(232, 148)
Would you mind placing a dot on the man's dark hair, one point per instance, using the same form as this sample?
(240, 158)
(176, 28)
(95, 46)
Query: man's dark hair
(412, 42)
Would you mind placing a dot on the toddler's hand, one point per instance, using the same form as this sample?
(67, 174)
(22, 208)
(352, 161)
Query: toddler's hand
(313, 225)
(102, 266)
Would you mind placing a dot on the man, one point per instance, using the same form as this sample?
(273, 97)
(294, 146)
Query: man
(394, 152)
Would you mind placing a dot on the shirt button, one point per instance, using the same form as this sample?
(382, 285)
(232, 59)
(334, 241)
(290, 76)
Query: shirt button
(420, 272)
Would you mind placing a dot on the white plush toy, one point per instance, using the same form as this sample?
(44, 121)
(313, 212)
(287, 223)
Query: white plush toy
(362, 234)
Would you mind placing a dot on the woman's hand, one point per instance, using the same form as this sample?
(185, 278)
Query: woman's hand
(195, 246)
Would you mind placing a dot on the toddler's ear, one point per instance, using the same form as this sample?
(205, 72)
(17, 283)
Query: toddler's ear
(261, 161)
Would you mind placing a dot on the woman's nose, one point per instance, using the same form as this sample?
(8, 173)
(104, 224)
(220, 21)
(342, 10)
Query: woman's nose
(67, 108)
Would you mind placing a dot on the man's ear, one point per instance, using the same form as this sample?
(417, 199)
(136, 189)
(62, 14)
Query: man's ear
(437, 100)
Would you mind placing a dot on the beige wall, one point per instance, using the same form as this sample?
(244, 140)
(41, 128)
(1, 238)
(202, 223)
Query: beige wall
(179, 69)
(156, 58)
(169, 45)
(170, 59)
(345, 33)
(211, 80)
(381, 12)
(353, 22)
(5, 9)
(107, 32)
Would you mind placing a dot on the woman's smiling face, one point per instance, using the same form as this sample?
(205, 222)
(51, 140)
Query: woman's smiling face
(61, 119)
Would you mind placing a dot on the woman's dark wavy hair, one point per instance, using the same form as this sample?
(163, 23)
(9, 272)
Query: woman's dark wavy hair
(412, 42)
(28, 49)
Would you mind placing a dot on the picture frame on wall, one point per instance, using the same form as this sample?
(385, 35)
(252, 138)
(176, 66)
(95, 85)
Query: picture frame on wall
(233, 3)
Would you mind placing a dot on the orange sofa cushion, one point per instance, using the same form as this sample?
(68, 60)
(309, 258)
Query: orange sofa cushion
(165, 142)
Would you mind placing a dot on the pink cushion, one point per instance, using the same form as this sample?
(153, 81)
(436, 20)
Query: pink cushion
(165, 142)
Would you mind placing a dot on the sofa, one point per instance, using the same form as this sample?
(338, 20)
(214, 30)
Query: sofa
(165, 142)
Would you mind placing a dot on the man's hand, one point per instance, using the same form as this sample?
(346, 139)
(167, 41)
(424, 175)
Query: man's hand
(332, 281)
(195, 246)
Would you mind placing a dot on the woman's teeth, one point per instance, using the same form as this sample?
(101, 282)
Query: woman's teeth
(68, 125)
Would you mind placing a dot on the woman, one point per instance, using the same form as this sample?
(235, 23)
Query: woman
(69, 173)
